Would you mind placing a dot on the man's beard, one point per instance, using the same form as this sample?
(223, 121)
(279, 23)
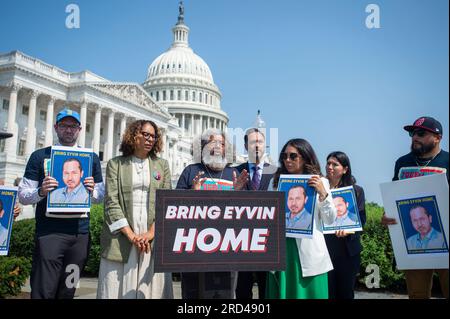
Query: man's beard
(422, 149)
(215, 162)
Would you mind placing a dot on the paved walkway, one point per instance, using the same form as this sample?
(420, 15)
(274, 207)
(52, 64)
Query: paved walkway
(88, 290)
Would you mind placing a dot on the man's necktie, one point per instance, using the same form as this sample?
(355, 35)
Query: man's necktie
(256, 179)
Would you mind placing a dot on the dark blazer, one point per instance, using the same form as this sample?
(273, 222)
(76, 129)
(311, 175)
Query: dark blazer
(266, 176)
(351, 244)
(245, 278)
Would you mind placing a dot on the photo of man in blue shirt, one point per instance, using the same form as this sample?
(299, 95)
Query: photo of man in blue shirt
(298, 217)
(73, 191)
(344, 216)
(3, 230)
(427, 237)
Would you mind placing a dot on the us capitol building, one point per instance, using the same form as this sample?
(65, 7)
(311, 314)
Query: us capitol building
(179, 95)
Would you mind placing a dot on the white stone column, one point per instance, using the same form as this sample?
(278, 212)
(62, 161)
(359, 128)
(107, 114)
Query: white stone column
(165, 153)
(11, 143)
(175, 157)
(49, 122)
(97, 122)
(123, 126)
(31, 126)
(192, 125)
(183, 124)
(201, 124)
(83, 119)
(110, 137)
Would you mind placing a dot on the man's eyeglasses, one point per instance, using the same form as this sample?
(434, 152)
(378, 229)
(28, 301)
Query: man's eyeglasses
(66, 126)
(419, 133)
(214, 143)
(291, 156)
(148, 136)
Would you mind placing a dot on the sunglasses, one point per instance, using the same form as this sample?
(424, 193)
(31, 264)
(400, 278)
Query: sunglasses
(419, 133)
(291, 156)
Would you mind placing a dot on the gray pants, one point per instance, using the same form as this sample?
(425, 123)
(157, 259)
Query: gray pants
(54, 259)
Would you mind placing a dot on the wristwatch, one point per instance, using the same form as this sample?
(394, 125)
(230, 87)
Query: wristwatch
(39, 192)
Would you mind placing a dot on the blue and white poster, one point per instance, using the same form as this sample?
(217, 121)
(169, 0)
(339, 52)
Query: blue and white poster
(421, 207)
(69, 166)
(8, 197)
(300, 205)
(422, 225)
(347, 218)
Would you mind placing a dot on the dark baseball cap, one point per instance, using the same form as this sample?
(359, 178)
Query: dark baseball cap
(68, 113)
(5, 135)
(425, 123)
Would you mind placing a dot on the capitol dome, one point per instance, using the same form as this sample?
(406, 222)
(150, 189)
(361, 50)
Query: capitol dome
(179, 61)
(182, 82)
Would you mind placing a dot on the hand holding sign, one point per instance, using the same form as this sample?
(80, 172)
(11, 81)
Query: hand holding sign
(316, 182)
(89, 183)
(48, 184)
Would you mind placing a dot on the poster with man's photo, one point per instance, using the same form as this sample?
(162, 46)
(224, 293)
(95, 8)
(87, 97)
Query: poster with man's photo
(300, 205)
(69, 166)
(422, 225)
(347, 218)
(8, 197)
(421, 208)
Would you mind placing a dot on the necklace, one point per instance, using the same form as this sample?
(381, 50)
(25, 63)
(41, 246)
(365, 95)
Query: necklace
(139, 164)
(216, 182)
(426, 163)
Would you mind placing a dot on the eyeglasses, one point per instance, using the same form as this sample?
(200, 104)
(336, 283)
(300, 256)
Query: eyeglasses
(66, 126)
(291, 156)
(148, 135)
(214, 143)
(419, 133)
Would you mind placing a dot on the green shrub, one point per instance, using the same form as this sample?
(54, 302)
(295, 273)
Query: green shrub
(23, 232)
(22, 238)
(96, 224)
(377, 249)
(14, 271)
(16, 267)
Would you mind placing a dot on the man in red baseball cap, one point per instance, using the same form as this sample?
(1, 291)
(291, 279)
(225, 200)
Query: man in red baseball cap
(426, 157)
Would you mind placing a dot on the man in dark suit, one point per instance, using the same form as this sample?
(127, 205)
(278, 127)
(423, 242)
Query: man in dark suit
(260, 174)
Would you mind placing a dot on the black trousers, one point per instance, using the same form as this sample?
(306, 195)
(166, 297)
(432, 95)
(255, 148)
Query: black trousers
(244, 289)
(54, 259)
(208, 285)
(342, 279)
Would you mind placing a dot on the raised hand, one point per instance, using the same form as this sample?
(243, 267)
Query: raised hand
(240, 182)
(198, 181)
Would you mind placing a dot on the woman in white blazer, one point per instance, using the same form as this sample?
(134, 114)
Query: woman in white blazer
(307, 260)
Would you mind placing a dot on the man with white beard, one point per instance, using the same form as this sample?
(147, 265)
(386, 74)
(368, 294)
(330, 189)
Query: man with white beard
(212, 173)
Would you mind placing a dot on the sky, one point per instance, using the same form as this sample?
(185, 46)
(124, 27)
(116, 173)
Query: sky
(313, 67)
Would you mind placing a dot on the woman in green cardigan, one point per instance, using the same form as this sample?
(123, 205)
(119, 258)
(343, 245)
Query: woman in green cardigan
(126, 266)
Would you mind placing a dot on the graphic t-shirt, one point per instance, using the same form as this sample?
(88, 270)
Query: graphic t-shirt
(409, 166)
